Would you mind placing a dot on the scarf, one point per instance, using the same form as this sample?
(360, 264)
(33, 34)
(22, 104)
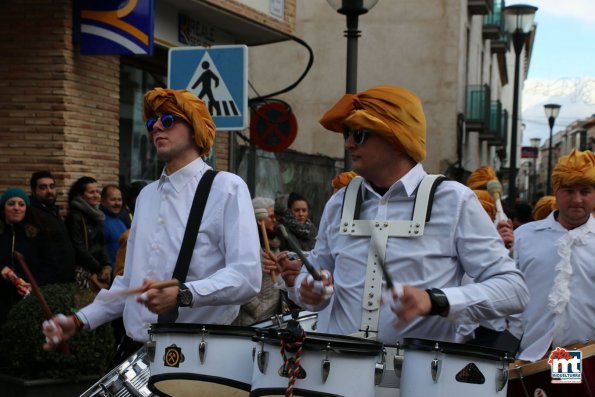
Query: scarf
(92, 212)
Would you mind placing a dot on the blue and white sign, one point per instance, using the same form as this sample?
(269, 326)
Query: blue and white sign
(219, 76)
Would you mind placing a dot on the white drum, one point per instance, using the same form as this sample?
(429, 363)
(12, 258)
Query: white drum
(308, 321)
(440, 369)
(390, 382)
(200, 360)
(329, 365)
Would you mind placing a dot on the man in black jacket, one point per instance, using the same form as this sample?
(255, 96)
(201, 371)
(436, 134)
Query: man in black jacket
(43, 204)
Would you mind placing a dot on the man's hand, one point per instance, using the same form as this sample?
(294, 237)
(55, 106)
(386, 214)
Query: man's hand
(315, 292)
(105, 275)
(158, 301)
(506, 231)
(413, 303)
(57, 329)
(269, 263)
(290, 268)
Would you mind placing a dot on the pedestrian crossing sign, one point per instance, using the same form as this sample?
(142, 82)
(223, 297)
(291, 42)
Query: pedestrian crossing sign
(219, 76)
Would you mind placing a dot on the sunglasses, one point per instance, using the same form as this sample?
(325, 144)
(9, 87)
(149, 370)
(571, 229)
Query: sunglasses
(359, 135)
(167, 120)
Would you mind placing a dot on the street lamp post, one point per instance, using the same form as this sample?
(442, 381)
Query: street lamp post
(535, 142)
(551, 112)
(352, 9)
(519, 22)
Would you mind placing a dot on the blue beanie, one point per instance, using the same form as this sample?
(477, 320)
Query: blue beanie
(14, 192)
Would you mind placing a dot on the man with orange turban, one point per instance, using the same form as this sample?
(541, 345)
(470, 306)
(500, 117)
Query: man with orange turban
(557, 255)
(224, 263)
(384, 130)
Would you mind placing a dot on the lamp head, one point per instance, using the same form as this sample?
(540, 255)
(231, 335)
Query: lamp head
(352, 7)
(519, 18)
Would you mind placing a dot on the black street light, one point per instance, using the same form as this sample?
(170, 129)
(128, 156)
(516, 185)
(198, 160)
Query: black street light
(551, 112)
(519, 22)
(535, 142)
(352, 9)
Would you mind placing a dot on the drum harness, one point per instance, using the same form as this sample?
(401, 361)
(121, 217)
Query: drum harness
(379, 231)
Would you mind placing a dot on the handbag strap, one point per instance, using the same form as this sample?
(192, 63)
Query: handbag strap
(85, 232)
(190, 235)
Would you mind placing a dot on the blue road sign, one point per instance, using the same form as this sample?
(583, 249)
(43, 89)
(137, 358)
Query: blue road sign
(219, 76)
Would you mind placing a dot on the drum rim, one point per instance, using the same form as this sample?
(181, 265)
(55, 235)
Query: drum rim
(192, 376)
(316, 341)
(192, 328)
(456, 348)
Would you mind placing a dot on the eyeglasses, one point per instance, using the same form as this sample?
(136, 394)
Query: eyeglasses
(167, 120)
(359, 135)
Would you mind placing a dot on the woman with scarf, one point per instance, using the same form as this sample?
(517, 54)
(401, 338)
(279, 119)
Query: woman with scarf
(298, 225)
(85, 226)
(21, 231)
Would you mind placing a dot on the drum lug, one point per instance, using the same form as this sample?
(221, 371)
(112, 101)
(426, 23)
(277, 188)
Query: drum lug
(202, 350)
(436, 365)
(326, 364)
(502, 377)
(262, 357)
(398, 361)
(151, 346)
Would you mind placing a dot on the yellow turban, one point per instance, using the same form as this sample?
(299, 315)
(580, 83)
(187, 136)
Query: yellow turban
(343, 179)
(186, 106)
(577, 167)
(487, 202)
(480, 177)
(394, 113)
(543, 207)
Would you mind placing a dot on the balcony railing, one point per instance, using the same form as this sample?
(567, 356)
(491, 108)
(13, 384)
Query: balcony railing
(480, 7)
(493, 23)
(477, 116)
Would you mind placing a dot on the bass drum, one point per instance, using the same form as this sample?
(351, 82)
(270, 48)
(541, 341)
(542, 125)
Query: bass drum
(129, 379)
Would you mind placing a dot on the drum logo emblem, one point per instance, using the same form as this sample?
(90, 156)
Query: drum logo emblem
(173, 356)
(566, 365)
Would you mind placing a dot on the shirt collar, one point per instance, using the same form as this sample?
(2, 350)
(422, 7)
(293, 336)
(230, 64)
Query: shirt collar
(184, 175)
(551, 223)
(409, 182)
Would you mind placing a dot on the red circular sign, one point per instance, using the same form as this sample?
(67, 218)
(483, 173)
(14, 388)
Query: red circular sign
(273, 126)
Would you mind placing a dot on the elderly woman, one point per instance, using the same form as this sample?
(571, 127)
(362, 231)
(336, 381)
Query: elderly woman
(85, 226)
(298, 225)
(20, 231)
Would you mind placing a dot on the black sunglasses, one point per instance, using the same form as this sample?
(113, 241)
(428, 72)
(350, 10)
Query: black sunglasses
(359, 135)
(167, 120)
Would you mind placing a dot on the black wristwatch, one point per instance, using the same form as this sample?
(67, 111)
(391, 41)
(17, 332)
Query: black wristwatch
(439, 301)
(184, 296)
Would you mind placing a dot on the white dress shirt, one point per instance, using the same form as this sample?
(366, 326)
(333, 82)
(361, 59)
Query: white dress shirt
(460, 238)
(541, 248)
(225, 268)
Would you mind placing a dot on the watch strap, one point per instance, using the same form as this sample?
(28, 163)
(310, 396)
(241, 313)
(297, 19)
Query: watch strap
(439, 302)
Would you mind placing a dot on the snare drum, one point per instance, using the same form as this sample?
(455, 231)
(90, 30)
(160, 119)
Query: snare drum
(534, 378)
(433, 368)
(213, 359)
(330, 365)
(308, 321)
(129, 379)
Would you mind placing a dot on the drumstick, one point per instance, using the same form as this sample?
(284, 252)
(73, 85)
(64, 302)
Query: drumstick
(261, 214)
(494, 188)
(295, 248)
(112, 295)
(45, 308)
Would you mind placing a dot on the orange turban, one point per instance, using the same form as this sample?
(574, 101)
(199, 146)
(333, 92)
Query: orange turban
(487, 202)
(186, 106)
(543, 207)
(577, 167)
(480, 177)
(343, 179)
(394, 113)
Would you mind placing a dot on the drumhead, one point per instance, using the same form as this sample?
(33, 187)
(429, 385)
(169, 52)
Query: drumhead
(456, 349)
(196, 329)
(319, 341)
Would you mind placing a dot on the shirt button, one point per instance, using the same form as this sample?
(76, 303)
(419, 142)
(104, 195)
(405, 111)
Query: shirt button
(161, 222)
(383, 202)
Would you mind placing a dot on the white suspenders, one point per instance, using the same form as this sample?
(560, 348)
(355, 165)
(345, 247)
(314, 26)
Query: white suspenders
(379, 232)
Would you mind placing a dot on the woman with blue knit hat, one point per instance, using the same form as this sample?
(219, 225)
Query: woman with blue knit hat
(20, 231)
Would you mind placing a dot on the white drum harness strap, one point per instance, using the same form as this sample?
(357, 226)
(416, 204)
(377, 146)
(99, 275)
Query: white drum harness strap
(379, 231)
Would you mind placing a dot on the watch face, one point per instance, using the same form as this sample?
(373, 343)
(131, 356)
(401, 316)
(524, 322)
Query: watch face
(185, 297)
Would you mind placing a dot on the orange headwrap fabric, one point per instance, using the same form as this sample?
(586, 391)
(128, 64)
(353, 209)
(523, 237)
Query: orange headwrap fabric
(394, 113)
(487, 202)
(544, 207)
(577, 167)
(480, 177)
(189, 108)
(343, 179)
